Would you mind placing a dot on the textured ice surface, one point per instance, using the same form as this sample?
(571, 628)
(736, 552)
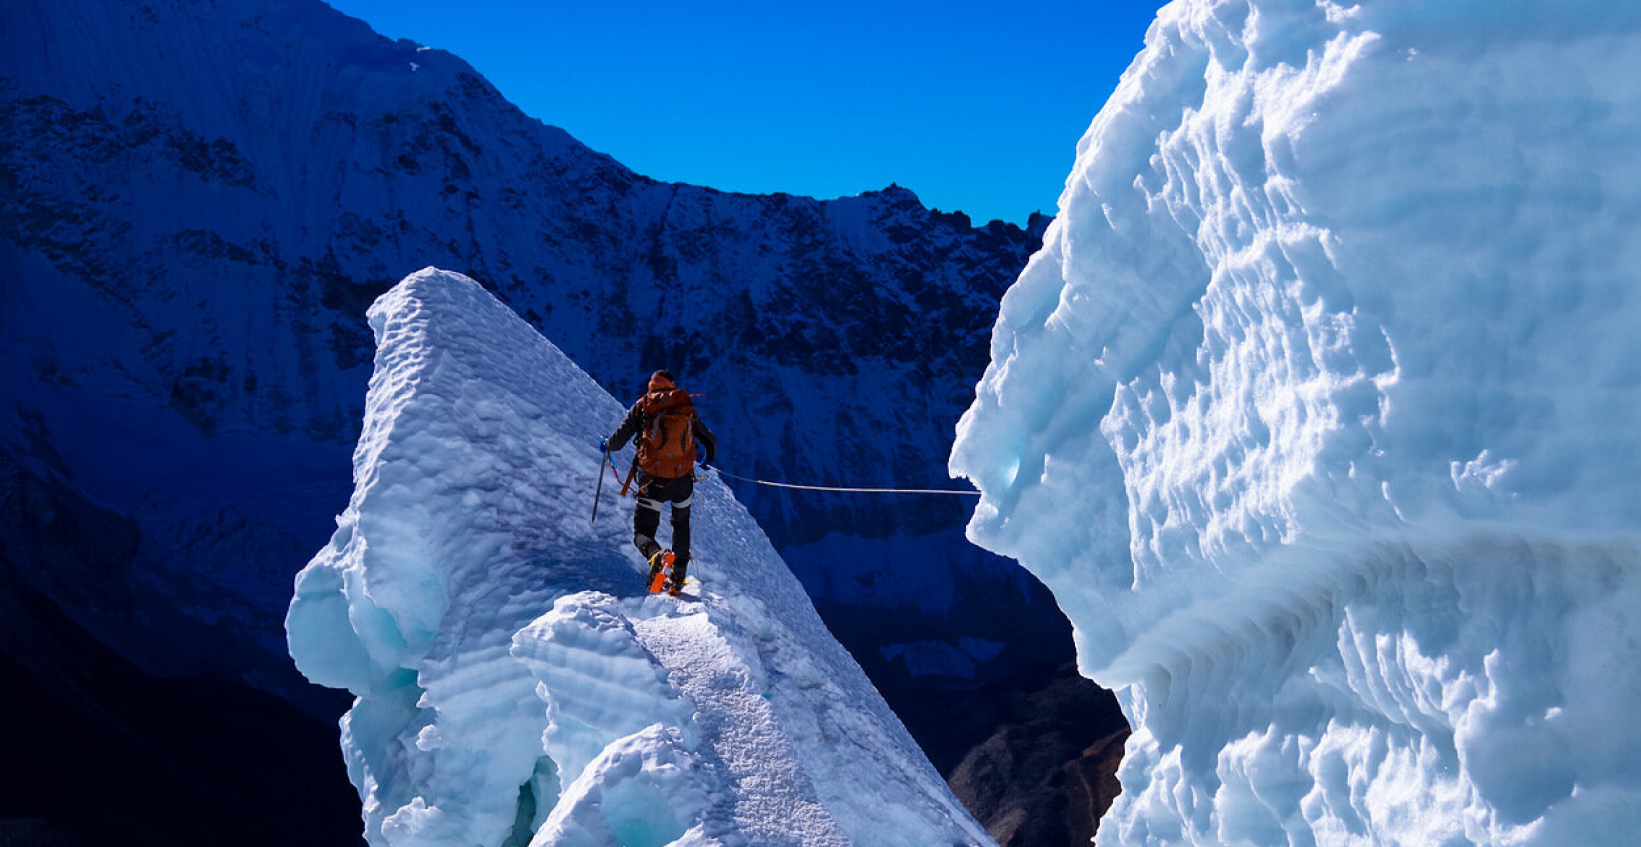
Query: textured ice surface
(514, 683)
(1316, 412)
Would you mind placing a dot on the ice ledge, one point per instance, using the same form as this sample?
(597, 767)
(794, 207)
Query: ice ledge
(1316, 413)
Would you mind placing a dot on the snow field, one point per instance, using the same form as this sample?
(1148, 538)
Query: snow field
(515, 685)
(1315, 414)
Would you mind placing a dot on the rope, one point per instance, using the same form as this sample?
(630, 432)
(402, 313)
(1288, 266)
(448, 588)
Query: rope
(846, 490)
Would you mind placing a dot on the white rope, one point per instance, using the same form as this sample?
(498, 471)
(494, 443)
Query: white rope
(846, 490)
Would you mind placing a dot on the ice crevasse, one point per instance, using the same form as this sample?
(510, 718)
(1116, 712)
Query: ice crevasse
(514, 684)
(1317, 413)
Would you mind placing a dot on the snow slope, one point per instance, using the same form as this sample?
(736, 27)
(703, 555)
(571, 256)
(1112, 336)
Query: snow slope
(512, 678)
(1316, 414)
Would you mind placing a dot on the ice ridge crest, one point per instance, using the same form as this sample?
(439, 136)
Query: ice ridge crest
(515, 685)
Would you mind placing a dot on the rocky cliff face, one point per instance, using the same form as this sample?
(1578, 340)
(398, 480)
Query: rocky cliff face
(199, 199)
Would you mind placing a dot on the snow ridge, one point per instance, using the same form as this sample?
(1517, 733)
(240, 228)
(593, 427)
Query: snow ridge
(1314, 413)
(512, 678)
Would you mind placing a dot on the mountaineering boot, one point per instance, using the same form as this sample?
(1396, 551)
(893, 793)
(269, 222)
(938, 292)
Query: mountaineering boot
(679, 569)
(660, 564)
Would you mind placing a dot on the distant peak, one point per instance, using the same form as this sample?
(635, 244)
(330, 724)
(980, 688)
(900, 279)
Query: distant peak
(896, 193)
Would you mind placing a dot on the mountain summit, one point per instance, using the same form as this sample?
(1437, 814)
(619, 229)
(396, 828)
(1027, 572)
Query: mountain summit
(203, 198)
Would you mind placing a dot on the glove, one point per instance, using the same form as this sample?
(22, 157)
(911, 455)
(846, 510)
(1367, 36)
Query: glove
(604, 445)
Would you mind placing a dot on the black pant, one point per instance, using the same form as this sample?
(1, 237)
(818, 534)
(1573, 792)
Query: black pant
(646, 519)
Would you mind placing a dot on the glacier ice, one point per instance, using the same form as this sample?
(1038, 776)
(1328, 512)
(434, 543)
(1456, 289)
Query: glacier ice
(1315, 413)
(515, 685)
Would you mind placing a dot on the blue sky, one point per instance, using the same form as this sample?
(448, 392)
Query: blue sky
(975, 106)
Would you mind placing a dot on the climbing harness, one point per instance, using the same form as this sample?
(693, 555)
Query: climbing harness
(846, 490)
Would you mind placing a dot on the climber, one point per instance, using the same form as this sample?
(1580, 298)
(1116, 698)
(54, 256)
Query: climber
(668, 431)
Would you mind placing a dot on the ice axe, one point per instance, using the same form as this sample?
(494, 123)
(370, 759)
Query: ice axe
(598, 492)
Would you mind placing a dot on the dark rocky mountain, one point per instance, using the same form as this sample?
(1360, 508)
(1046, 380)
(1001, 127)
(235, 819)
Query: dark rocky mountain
(200, 198)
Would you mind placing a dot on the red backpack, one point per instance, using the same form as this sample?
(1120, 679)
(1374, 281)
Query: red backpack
(666, 448)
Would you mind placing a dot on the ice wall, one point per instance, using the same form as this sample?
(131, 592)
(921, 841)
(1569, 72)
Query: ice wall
(1316, 414)
(516, 686)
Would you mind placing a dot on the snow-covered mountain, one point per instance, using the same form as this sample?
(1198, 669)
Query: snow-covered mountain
(202, 198)
(1316, 413)
(516, 684)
